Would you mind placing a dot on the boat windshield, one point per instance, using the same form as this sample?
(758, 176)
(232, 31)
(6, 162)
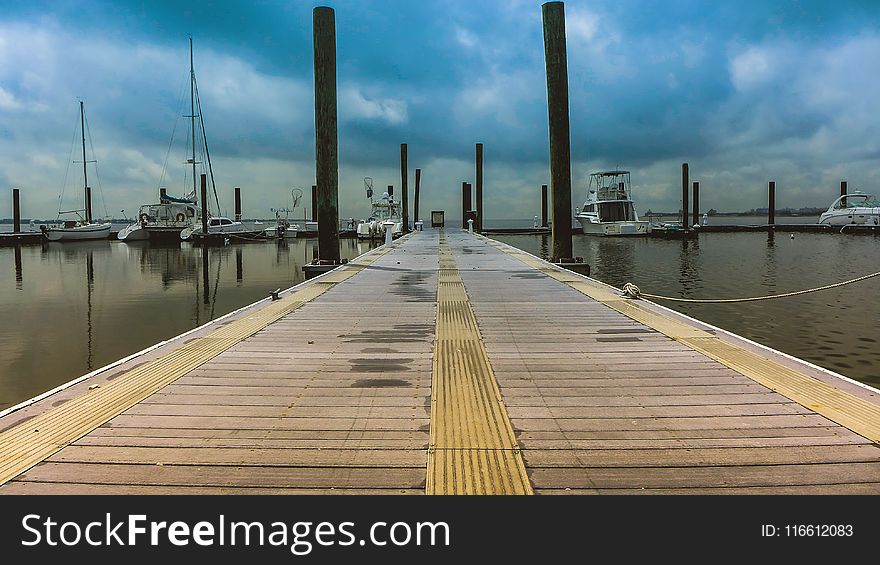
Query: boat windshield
(857, 201)
(616, 212)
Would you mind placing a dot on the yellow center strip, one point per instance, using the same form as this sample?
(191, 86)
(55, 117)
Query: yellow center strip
(26, 444)
(473, 449)
(849, 411)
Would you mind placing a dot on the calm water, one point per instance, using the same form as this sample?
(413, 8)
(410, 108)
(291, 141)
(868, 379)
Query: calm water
(835, 329)
(73, 307)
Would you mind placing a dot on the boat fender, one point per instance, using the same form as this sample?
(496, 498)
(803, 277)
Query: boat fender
(180, 217)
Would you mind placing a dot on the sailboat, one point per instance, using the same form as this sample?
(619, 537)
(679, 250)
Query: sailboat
(175, 218)
(84, 227)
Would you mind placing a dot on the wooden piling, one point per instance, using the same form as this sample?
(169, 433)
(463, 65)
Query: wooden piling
(89, 204)
(465, 203)
(478, 224)
(544, 219)
(771, 203)
(326, 142)
(696, 195)
(555, 59)
(237, 203)
(843, 192)
(404, 189)
(204, 196)
(16, 212)
(416, 196)
(314, 203)
(390, 190)
(684, 196)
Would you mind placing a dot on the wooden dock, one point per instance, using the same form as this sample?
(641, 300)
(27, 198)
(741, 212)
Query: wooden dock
(448, 363)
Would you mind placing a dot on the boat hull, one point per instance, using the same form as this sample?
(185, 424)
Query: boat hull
(854, 216)
(79, 233)
(592, 227)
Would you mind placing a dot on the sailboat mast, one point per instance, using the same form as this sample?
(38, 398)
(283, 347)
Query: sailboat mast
(82, 125)
(192, 115)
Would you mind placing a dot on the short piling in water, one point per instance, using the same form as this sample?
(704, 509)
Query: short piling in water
(204, 195)
(404, 189)
(684, 196)
(237, 203)
(390, 190)
(416, 196)
(696, 216)
(556, 63)
(544, 218)
(89, 204)
(771, 203)
(465, 203)
(479, 186)
(326, 141)
(843, 192)
(16, 212)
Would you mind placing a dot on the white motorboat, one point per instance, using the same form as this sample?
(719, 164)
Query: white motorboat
(222, 226)
(608, 209)
(84, 227)
(385, 209)
(857, 208)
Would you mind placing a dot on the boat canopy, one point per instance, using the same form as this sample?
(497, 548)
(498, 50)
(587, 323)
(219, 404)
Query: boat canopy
(165, 199)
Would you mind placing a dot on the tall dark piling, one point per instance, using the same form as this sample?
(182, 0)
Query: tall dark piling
(314, 203)
(89, 204)
(544, 219)
(390, 190)
(404, 189)
(416, 196)
(204, 197)
(696, 195)
(556, 62)
(237, 203)
(465, 203)
(771, 202)
(326, 142)
(684, 196)
(163, 192)
(479, 187)
(843, 192)
(16, 212)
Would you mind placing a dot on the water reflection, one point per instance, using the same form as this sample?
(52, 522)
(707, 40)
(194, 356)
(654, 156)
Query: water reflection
(19, 277)
(86, 304)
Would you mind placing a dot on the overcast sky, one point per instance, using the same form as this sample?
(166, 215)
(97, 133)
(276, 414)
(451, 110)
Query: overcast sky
(745, 92)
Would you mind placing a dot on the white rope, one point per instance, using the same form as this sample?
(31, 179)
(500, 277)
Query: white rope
(632, 291)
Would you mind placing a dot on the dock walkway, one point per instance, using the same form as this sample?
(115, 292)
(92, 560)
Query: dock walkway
(448, 363)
